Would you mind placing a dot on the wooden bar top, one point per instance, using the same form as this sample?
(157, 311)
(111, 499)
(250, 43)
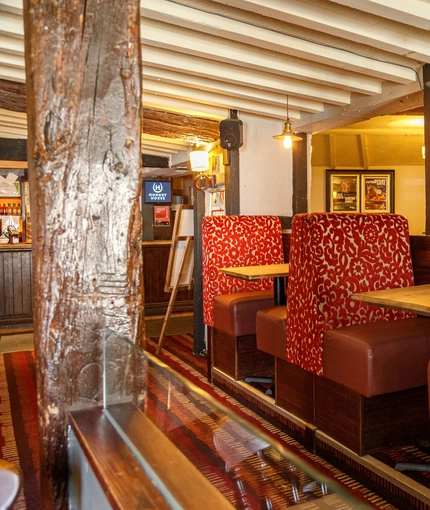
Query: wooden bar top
(18, 246)
(256, 272)
(414, 299)
(124, 481)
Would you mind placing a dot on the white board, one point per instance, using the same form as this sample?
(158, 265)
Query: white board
(180, 266)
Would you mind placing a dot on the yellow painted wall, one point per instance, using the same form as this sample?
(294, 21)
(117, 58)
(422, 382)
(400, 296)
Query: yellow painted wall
(373, 150)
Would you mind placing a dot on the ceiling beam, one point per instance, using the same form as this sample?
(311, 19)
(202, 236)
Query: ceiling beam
(254, 94)
(363, 108)
(338, 20)
(273, 40)
(12, 96)
(175, 38)
(412, 12)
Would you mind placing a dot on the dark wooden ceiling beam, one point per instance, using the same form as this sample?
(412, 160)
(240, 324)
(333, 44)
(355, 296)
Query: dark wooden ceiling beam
(12, 96)
(155, 122)
(183, 127)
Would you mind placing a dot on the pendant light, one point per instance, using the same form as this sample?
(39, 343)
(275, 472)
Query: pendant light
(287, 134)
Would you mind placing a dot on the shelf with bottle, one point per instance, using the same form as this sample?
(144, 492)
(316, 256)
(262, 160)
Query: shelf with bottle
(11, 207)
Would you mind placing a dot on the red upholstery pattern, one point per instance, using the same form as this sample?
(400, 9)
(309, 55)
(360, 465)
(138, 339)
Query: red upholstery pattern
(333, 255)
(233, 241)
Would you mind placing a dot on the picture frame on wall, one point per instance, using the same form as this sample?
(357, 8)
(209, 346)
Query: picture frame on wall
(343, 191)
(360, 191)
(378, 193)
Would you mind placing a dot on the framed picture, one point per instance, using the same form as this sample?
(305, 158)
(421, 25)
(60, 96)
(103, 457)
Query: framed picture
(360, 191)
(162, 215)
(343, 191)
(377, 192)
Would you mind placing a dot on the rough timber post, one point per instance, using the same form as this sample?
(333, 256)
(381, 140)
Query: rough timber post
(83, 94)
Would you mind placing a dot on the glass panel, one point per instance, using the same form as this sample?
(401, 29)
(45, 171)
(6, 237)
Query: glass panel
(250, 468)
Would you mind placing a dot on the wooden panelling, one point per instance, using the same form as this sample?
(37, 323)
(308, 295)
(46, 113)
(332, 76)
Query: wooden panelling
(286, 238)
(155, 259)
(420, 248)
(239, 357)
(16, 306)
(294, 389)
(366, 425)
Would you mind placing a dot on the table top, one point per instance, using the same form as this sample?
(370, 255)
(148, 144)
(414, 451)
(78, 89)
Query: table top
(256, 272)
(414, 299)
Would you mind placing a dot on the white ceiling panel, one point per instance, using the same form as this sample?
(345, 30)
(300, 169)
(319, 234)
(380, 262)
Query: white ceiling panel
(338, 61)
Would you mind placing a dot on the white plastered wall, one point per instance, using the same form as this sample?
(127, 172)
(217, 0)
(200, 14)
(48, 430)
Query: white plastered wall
(265, 168)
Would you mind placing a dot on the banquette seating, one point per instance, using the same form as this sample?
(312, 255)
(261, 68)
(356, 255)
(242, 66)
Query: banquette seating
(230, 304)
(356, 372)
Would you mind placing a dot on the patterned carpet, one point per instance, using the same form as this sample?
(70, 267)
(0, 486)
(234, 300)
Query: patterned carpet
(177, 353)
(19, 442)
(19, 433)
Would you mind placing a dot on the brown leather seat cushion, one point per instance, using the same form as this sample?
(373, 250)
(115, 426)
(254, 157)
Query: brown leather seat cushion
(270, 330)
(380, 357)
(235, 313)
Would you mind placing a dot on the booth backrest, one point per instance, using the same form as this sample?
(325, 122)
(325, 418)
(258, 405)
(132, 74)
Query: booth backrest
(333, 255)
(233, 241)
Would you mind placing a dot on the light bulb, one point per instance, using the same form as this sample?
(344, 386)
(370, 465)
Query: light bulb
(287, 142)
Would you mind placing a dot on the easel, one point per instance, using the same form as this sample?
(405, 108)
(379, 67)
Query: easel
(181, 261)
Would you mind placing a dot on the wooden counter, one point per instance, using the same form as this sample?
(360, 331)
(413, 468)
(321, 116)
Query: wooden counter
(16, 305)
(155, 260)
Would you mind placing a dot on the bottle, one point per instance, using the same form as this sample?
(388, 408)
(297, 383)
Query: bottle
(9, 208)
(18, 209)
(14, 209)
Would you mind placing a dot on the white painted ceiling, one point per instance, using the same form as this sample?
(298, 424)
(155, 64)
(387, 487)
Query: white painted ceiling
(339, 61)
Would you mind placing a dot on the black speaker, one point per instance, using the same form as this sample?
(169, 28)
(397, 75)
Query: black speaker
(230, 133)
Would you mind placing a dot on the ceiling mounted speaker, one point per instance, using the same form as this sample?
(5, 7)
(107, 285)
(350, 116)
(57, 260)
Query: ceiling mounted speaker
(231, 133)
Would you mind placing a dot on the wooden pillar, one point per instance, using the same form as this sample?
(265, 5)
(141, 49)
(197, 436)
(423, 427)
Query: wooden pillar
(232, 178)
(83, 79)
(198, 325)
(426, 78)
(300, 175)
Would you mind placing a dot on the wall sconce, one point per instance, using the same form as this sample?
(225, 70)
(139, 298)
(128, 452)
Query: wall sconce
(199, 162)
(287, 134)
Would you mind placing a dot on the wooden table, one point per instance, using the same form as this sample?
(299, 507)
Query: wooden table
(414, 299)
(250, 273)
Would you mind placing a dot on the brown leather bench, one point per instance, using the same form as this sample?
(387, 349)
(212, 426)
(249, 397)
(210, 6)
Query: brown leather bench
(270, 330)
(234, 342)
(374, 389)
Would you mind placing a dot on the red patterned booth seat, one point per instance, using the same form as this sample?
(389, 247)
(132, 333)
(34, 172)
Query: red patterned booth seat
(332, 256)
(356, 372)
(230, 304)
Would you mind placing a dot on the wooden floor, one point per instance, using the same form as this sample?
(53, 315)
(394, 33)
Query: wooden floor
(177, 324)
(21, 339)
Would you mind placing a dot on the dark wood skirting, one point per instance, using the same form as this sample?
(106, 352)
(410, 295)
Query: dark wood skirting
(239, 357)
(156, 309)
